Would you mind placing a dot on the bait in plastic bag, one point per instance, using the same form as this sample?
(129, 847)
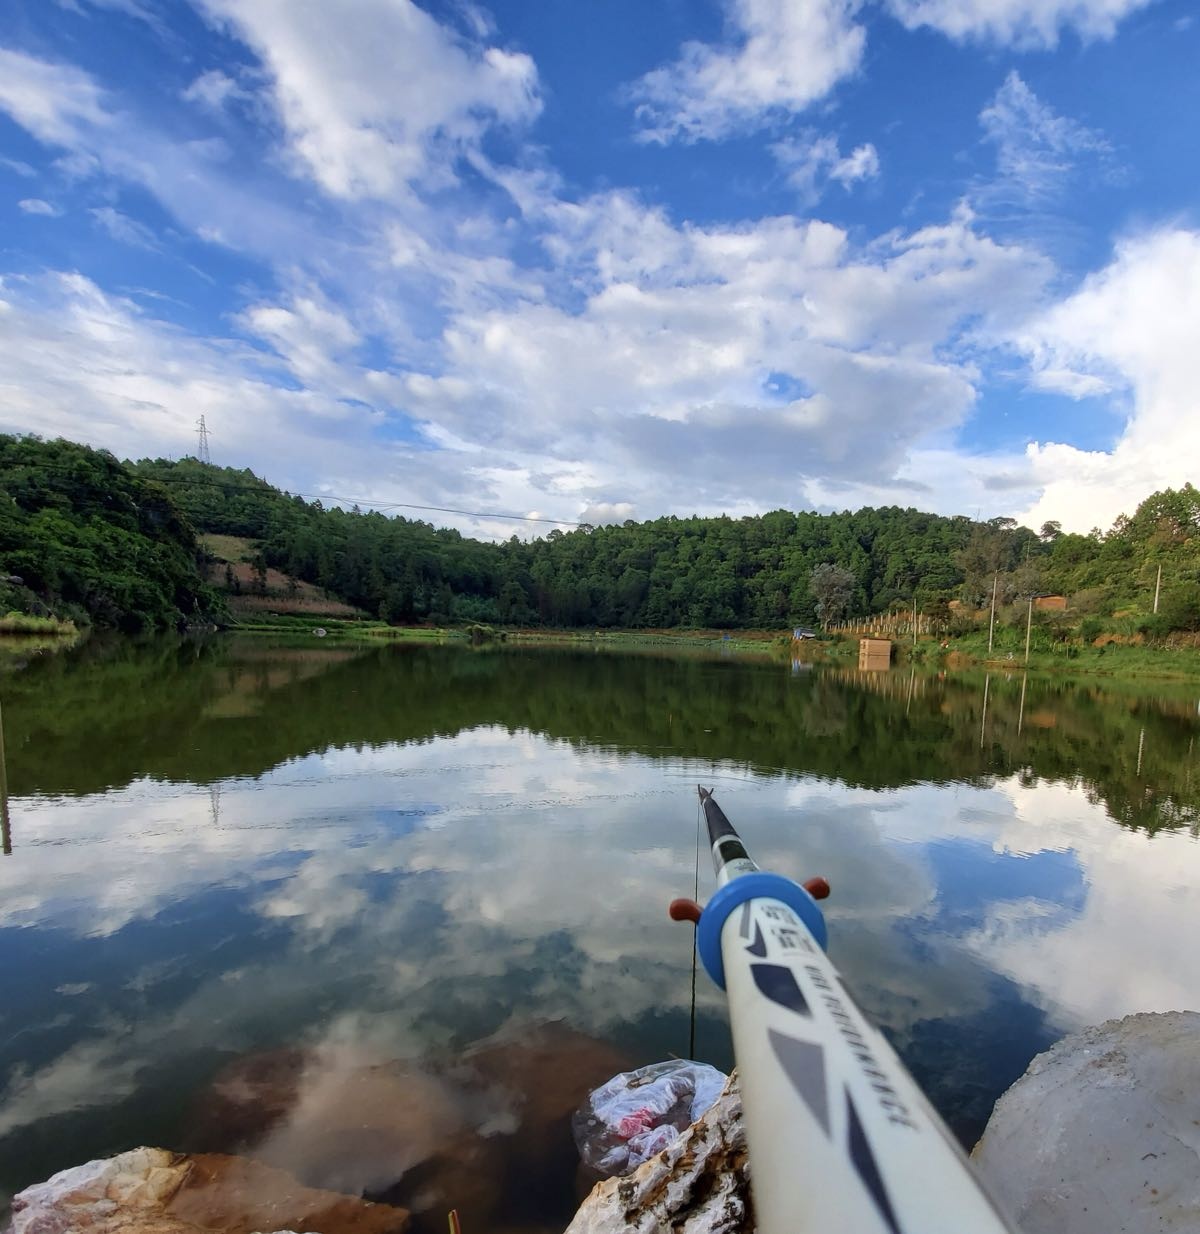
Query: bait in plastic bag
(638, 1113)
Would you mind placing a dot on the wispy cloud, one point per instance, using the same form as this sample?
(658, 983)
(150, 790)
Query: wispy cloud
(810, 162)
(35, 205)
(1020, 23)
(1037, 149)
(17, 167)
(780, 57)
(125, 229)
(57, 103)
(214, 89)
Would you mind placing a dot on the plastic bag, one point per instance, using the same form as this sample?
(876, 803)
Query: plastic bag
(638, 1113)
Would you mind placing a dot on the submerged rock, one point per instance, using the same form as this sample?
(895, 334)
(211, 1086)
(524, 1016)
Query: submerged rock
(1102, 1133)
(700, 1184)
(153, 1191)
(488, 1133)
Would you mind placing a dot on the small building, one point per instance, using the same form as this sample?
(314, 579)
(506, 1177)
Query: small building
(800, 633)
(874, 653)
(1050, 604)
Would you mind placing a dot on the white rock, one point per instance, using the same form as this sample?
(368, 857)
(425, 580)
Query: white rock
(153, 1191)
(698, 1185)
(86, 1196)
(1102, 1133)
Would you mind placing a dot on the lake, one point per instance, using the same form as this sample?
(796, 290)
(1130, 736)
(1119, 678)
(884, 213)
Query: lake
(359, 910)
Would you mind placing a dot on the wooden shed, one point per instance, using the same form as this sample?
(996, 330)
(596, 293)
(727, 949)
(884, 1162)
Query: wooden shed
(874, 653)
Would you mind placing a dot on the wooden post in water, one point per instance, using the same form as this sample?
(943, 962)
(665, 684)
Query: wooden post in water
(1028, 629)
(5, 827)
(992, 623)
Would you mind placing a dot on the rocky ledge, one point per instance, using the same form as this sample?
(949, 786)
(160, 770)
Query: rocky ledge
(1102, 1134)
(152, 1191)
(697, 1185)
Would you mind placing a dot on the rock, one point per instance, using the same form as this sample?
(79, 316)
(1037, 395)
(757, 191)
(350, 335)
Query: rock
(153, 1191)
(698, 1185)
(1102, 1133)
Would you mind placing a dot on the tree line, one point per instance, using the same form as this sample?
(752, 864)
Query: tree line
(777, 569)
(115, 543)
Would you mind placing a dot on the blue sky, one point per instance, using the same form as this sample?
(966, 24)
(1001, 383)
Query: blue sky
(595, 261)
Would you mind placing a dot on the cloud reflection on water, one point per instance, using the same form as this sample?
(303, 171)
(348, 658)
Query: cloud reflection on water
(400, 901)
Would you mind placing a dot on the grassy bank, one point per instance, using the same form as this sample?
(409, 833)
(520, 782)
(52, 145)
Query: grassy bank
(1113, 659)
(23, 624)
(966, 651)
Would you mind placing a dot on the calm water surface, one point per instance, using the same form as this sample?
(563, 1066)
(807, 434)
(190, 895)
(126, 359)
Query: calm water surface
(235, 860)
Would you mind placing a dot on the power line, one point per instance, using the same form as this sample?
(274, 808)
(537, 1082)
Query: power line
(232, 487)
(379, 505)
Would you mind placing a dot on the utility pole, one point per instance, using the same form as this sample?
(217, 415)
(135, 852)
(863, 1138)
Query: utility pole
(5, 826)
(992, 623)
(914, 621)
(1028, 629)
(1157, 587)
(202, 449)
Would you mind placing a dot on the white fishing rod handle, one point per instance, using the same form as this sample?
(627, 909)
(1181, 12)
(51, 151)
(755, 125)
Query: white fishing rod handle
(840, 1136)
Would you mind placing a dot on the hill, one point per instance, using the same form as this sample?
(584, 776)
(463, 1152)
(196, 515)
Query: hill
(235, 566)
(116, 544)
(85, 538)
(769, 571)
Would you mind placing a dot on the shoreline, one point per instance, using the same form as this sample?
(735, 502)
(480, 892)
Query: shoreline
(1113, 660)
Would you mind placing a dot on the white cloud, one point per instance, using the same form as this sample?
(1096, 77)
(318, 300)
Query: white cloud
(376, 94)
(757, 355)
(79, 363)
(781, 56)
(1021, 23)
(57, 103)
(310, 336)
(35, 205)
(674, 351)
(862, 163)
(125, 229)
(1113, 335)
(17, 167)
(1122, 868)
(811, 161)
(213, 90)
(131, 8)
(1037, 150)
(599, 513)
(63, 107)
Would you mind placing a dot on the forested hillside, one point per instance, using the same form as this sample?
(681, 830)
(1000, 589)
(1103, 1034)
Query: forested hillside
(767, 571)
(84, 537)
(111, 543)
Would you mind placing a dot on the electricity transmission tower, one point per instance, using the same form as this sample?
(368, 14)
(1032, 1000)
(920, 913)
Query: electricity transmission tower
(202, 452)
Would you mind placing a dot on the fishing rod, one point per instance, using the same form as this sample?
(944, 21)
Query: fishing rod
(840, 1136)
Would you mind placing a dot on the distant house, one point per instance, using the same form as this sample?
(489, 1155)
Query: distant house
(1050, 604)
(800, 633)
